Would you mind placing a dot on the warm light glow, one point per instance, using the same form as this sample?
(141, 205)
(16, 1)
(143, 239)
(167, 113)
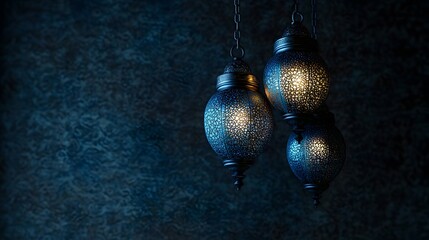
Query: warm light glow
(237, 121)
(318, 149)
(295, 85)
(320, 155)
(296, 82)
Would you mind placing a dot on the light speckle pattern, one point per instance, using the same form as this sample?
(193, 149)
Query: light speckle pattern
(296, 81)
(238, 123)
(320, 155)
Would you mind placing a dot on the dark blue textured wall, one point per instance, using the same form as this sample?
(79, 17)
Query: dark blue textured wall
(102, 122)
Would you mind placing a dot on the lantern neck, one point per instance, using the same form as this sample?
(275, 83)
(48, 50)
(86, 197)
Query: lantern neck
(321, 116)
(296, 43)
(237, 80)
(237, 74)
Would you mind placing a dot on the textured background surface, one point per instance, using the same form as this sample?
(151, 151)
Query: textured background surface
(102, 122)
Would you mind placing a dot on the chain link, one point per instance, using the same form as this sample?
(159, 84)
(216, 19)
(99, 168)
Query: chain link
(237, 51)
(296, 3)
(314, 17)
(237, 19)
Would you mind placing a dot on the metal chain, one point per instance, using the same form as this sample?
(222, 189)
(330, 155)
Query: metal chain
(237, 22)
(237, 51)
(296, 13)
(296, 6)
(314, 17)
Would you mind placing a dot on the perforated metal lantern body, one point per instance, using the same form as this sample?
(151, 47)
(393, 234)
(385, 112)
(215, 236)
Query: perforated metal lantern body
(318, 158)
(296, 79)
(238, 120)
(238, 123)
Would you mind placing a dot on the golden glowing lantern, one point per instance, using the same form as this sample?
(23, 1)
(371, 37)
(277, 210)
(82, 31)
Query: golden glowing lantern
(296, 79)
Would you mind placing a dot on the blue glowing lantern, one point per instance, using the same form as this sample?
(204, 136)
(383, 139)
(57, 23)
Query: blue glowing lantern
(238, 120)
(320, 155)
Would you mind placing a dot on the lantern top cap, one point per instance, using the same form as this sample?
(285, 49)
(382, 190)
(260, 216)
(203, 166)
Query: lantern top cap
(237, 74)
(237, 66)
(296, 37)
(296, 29)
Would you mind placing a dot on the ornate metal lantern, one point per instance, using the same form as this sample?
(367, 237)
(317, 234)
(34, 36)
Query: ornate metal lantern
(296, 79)
(296, 82)
(320, 155)
(238, 120)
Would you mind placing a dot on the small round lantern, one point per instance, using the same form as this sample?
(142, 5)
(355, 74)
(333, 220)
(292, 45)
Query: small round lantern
(320, 155)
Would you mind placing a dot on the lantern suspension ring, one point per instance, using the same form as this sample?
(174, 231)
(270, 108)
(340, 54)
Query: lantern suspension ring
(296, 15)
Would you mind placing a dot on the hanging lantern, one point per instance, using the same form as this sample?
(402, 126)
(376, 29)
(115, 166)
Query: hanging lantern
(238, 120)
(296, 82)
(295, 78)
(320, 155)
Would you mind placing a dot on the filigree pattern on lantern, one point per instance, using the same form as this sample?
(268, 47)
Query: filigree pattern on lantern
(320, 155)
(238, 123)
(296, 81)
